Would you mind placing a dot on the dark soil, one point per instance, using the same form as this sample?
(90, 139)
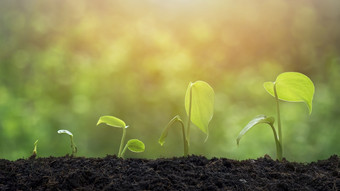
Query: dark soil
(192, 173)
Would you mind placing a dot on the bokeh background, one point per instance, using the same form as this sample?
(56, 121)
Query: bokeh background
(63, 64)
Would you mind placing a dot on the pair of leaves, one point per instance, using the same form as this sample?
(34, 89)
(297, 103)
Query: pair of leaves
(199, 104)
(133, 145)
(292, 87)
(289, 86)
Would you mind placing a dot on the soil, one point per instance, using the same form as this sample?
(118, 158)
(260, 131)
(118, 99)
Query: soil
(191, 173)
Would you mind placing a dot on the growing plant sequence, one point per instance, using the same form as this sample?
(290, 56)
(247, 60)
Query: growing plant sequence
(199, 107)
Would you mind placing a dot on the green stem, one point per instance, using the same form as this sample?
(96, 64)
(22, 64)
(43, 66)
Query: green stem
(122, 142)
(35, 147)
(185, 141)
(278, 145)
(278, 116)
(73, 146)
(122, 154)
(189, 114)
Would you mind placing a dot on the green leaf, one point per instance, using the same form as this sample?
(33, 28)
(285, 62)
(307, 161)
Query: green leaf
(62, 131)
(112, 121)
(292, 87)
(135, 145)
(164, 134)
(257, 120)
(202, 104)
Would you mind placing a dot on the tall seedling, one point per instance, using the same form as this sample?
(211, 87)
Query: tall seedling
(199, 106)
(291, 87)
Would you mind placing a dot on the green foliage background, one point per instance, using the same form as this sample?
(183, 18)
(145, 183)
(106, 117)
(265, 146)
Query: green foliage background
(63, 64)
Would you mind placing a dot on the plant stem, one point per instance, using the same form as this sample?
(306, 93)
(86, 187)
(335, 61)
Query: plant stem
(189, 114)
(278, 145)
(122, 142)
(122, 154)
(73, 146)
(278, 116)
(185, 141)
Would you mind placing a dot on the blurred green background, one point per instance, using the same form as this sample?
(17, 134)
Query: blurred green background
(63, 64)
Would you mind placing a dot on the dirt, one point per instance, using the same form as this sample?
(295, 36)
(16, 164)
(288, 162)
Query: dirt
(191, 173)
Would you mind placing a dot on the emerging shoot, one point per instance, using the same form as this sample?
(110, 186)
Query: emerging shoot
(35, 148)
(34, 153)
(73, 146)
(199, 106)
(291, 87)
(133, 145)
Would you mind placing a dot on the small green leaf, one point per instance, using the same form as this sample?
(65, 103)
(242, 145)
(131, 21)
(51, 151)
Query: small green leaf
(164, 134)
(135, 145)
(292, 87)
(202, 104)
(62, 131)
(257, 120)
(112, 121)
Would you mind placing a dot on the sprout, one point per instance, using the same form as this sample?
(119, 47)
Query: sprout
(73, 146)
(35, 148)
(133, 145)
(199, 106)
(291, 87)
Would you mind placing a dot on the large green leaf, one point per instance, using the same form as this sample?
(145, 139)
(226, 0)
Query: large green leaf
(292, 87)
(135, 145)
(112, 121)
(202, 104)
(257, 120)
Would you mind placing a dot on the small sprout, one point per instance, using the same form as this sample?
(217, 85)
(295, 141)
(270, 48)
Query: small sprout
(291, 87)
(73, 146)
(133, 145)
(34, 153)
(199, 106)
(35, 148)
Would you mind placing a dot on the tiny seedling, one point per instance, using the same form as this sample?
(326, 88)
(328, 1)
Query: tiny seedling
(73, 146)
(199, 106)
(291, 87)
(35, 148)
(133, 145)
(34, 153)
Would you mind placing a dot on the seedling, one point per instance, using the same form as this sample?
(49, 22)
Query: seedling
(199, 106)
(291, 87)
(133, 145)
(35, 148)
(73, 146)
(34, 154)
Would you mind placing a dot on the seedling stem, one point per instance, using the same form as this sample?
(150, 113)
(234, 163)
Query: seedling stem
(278, 115)
(122, 142)
(189, 115)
